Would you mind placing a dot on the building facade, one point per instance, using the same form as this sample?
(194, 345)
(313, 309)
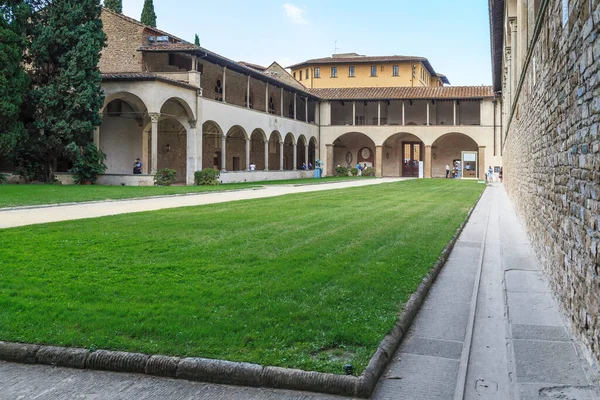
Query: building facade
(546, 67)
(180, 106)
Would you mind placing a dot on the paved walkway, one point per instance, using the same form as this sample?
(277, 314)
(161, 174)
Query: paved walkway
(489, 329)
(36, 215)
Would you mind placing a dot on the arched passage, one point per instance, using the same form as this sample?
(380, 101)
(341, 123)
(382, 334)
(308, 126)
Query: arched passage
(236, 149)
(211, 145)
(275, 151)
(312, 152)
(288, 152)
(172, 137)
(301, 153)
(402, 153)
(124, 116)
(347, 147)
(452, 148)
(257, 148)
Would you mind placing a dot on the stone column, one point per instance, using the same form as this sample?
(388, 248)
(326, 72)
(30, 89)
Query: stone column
(97, 136)
(295, 157)
(145, 152)
(248, 92)
(247, 154)
(306, 155)
(378, 113)
(223, 152)
(403, 120)
(191, 153)
(428, 164)
(329, 163)
(379, 161)
(353, 113)
(267, 97)
(481, 162)
(281, 156)
(281, 102)
(454, 104)
(267, 155)
(224, 83)
(306, 110)
(154, 148)
(427, 112)
(294, 111)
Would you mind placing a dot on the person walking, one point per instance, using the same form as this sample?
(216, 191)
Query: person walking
(447, 170)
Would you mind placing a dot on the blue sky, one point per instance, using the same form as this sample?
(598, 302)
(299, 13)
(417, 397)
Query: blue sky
(452, 34)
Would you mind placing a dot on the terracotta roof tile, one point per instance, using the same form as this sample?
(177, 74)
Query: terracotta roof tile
(170, 47)
(143, 76)
(390, 93)
(359, 59)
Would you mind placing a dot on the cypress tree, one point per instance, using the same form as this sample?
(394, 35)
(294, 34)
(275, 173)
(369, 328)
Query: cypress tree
(115, 5)
(148, 14)
(66, 42)
(13, 80)
(197, 40)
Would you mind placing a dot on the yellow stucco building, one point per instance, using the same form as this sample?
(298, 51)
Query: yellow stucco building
(353, 70)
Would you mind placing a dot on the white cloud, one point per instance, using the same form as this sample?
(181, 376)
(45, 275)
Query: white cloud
(295, 13)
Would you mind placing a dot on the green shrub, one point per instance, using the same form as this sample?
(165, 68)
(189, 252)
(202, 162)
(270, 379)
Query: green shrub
(369, 171)
(165, 177)
(3, 178)
(207, 176)
(354, 171)
(88, 162)
(341, 171)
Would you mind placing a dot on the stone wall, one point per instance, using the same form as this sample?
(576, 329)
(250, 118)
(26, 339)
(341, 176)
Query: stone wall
(123, 40)
(552, 162)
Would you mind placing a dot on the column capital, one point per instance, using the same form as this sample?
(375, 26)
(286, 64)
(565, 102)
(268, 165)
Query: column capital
(192, 123)
(223, 136)
(247, 139)
(154, 116)
(512, 21)
(507, 52)
(330, 145)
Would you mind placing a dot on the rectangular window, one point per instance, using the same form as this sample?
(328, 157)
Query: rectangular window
(395, 71)
(373, 70)
(300, 74)
(317, 72)
(306, 75)
(294, 75)
(334, 72)
(351, 71)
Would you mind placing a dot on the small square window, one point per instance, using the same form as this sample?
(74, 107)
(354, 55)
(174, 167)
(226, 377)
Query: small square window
(317, 72)
(334, 72)
(395, 71)
(351, 71)
(373, 70)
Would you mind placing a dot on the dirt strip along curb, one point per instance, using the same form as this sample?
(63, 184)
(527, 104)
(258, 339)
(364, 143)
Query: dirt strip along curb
(238, 373)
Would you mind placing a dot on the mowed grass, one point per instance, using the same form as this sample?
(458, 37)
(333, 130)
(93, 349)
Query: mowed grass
(311, 281)
(31, 195)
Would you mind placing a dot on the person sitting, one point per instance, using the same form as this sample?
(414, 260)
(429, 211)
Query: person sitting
(252, 166)
(303, 167)
(137, 167)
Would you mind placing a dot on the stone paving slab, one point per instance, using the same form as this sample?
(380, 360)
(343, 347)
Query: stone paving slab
(540, 332)
(432, 347)
(525, 281)
(536, 391)
(445, 321)
(533, 308)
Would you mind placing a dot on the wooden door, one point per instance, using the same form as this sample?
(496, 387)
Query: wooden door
(412, 153)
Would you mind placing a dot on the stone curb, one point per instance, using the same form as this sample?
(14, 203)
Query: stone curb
(240, 373)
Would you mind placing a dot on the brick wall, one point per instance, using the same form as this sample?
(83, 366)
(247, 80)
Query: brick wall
(123, 40)
(552, 162)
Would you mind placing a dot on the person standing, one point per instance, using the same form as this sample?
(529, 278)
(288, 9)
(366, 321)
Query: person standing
(500, 175)
(490, 174)
(447, 170)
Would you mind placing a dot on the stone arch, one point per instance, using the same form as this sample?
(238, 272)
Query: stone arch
(177, 107)
(312, 151)
(212, 135)
(275, 151)
(236, 149)
(448, 148)
(401, 154)
(301, 153)
(172, 146)
(258, 139)
(347, 146)
(288, 152)
(124, 116)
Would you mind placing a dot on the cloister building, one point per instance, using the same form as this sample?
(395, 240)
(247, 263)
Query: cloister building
(177, 105)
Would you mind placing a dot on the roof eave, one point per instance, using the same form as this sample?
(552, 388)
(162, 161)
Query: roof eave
(496, 10)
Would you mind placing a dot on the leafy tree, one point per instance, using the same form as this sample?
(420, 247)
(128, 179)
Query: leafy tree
(148, 14)
(67, 38)
(13, 80)
(115, 5)
(197, 40)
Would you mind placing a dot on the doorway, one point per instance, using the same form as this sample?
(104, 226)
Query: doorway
(412, 153)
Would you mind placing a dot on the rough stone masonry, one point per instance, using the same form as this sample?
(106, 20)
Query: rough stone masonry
(552, 161)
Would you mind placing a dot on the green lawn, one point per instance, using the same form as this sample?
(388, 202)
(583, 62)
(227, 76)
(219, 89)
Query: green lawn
(310, 281)
(28, 195)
